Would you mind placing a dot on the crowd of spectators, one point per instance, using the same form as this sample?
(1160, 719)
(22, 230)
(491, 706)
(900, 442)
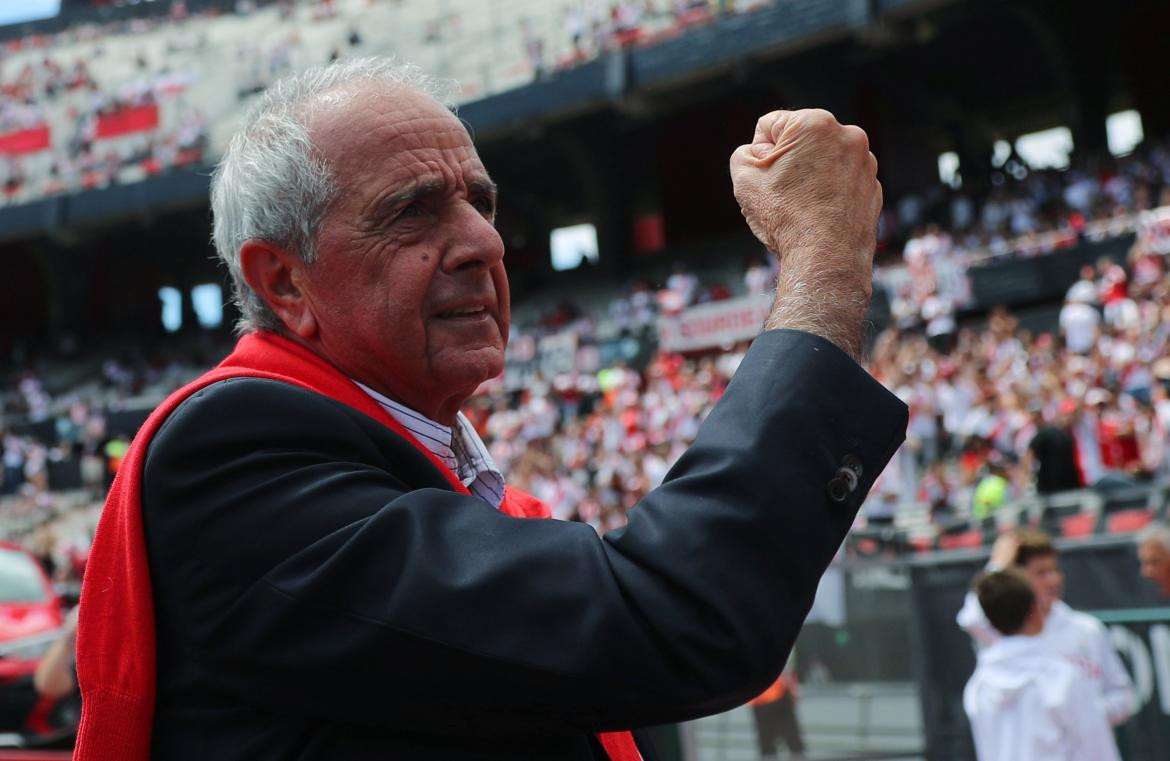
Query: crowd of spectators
(61, 85)
(997, 411)
(591, 29)
(59, 451)
(944, 231)
(592, 445)
(1004, 411)
(991, 406)
(52, 110)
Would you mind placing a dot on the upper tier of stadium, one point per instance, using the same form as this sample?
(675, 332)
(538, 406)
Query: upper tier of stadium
(116, 102)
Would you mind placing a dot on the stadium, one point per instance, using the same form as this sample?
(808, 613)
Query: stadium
(1020, 311)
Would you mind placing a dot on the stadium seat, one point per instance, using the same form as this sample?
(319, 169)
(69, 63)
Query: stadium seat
(966, 540)
(1128, 521)
(867, 546)
(921, 544)
(1078, 526)
(1060, 506)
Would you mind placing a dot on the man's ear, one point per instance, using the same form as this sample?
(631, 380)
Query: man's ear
(275, 275)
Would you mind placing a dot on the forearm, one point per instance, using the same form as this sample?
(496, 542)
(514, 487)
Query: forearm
(54, 675)
(827, 304)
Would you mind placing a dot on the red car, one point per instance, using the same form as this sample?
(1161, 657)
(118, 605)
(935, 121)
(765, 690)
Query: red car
(30, 621)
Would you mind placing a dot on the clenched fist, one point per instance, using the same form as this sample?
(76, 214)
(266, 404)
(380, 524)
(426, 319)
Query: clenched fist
(808, 188)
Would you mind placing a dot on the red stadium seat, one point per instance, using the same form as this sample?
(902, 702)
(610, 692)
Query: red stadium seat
(1078, 526)
(966, 540)
(1128, 521)
(921, 544)
(867, 546)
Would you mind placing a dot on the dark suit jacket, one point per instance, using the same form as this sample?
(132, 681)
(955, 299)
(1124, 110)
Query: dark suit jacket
(322, 593)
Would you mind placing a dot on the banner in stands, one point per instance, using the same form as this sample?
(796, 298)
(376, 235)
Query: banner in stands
(125, 121)
(714, 325)
(1101, 577)
(25, 141)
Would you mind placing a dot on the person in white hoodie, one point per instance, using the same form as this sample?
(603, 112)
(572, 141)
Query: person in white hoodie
(1024, 702)
(1078, 637)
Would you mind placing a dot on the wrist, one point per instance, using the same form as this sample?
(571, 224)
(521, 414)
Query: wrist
(832, 308)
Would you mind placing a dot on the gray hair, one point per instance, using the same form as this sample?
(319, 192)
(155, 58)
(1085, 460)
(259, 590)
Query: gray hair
(1158, 531)
(271, 184)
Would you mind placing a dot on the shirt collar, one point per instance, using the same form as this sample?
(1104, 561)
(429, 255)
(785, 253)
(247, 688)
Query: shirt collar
(459, 447)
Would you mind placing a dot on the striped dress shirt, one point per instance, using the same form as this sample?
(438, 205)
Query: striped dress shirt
(459, 447)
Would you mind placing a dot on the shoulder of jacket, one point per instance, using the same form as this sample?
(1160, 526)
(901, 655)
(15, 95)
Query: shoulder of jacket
(234, 402)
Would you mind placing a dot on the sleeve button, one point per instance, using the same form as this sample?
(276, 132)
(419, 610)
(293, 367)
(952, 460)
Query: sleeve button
(838, 489)
(849, 477)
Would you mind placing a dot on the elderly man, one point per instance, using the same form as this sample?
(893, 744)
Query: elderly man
(1153, 546)
(308, 553)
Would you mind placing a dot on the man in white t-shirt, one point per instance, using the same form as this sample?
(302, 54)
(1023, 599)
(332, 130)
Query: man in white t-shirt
(1024, 702)
(1076, 637)
(1079, 323)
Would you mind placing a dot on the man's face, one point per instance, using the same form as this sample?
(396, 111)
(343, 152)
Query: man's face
(1155, 564)
(1047, 580)
(408, 290)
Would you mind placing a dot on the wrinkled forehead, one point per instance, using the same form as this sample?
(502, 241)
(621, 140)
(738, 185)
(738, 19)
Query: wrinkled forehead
(365, 128)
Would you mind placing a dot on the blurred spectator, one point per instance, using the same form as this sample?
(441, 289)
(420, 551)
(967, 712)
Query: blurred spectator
(1076, 637)
(1153, 546)
(56, 674)
(1024, 701)
(759, 277)
(1079, 321)
(774, 711)
(1052, 453)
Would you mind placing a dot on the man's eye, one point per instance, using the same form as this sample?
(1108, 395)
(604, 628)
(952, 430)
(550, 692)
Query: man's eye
(485, 206)
(413, 210)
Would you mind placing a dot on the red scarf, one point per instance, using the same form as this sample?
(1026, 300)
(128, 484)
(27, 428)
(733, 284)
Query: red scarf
(115, 638)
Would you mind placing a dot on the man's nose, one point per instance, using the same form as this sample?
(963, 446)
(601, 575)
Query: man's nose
(474, 241)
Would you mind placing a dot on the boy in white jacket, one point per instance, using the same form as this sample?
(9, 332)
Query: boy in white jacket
(1026, 703)
(1078, 637)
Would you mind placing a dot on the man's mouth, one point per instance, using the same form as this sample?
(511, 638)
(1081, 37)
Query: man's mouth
(464, 312)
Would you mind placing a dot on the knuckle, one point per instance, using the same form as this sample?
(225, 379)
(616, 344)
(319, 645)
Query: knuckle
(820, 118)
(855, 136)
(768, 119)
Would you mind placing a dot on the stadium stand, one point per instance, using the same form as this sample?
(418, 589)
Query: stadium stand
(115, 102)
(975, 405)
(595, 406)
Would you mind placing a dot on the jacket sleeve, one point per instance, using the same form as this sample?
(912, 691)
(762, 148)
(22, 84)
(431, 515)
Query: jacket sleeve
(1117, 691)
(298, 562)
(1090, 737)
